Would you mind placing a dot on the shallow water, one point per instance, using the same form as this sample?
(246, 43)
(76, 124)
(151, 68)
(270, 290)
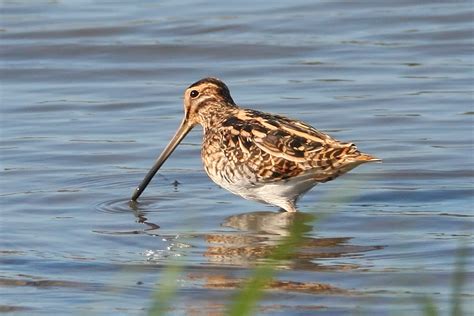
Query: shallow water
(91, 93)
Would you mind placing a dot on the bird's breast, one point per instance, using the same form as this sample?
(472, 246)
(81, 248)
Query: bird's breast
(226, 163)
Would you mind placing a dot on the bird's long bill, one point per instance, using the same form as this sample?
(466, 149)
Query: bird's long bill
(182, 131)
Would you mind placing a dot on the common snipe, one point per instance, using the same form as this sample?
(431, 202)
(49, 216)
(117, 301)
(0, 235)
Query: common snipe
(259, 156)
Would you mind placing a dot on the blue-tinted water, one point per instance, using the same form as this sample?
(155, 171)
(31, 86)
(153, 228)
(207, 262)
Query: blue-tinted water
(91, 93)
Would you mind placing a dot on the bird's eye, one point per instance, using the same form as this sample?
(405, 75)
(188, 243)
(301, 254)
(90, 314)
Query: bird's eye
(194, 93)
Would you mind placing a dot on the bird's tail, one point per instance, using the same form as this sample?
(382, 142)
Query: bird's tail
(353, 155)
(366, 158)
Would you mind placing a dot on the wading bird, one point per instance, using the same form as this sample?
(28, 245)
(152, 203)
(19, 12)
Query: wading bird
(259, 156)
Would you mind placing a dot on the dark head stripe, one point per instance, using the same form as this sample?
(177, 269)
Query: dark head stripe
(222, 88)
(212, 80)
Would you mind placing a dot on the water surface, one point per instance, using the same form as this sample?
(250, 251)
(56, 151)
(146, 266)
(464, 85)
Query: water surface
(91, 93)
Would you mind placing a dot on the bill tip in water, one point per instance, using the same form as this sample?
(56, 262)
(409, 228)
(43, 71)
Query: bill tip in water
(135, 195)
(133, 203)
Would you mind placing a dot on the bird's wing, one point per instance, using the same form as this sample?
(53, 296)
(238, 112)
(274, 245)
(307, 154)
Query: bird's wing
(282, 137)
(276, 146)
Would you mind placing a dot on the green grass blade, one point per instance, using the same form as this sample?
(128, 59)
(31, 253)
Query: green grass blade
(163, 296)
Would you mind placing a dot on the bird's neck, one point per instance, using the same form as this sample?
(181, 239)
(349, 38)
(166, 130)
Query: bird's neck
(212, 116)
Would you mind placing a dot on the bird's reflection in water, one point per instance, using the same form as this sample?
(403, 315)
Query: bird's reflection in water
(260, 233)
(140, 216)
(256, 235)
(121, 206)
(253, 239)
(269, 223)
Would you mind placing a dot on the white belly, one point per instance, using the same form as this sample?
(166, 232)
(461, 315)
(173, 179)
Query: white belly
(283, 193)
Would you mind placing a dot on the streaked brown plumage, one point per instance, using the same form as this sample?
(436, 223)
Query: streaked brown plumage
(260, 156)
